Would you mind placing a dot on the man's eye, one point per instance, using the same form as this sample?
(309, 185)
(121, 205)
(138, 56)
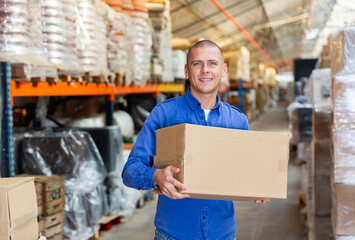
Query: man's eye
(213, 63)
(197, 64)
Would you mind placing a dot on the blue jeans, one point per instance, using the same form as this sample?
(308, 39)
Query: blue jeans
(161, 236)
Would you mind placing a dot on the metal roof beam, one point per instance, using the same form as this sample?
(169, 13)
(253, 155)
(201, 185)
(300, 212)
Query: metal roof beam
(183, 6)
(208, 16)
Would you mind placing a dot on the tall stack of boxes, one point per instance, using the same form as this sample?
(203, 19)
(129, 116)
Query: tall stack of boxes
(161, 65)
(343, 131)
(320, 97)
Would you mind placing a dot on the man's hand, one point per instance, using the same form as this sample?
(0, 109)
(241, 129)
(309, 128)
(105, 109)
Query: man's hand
(164, 178)
(261, 201)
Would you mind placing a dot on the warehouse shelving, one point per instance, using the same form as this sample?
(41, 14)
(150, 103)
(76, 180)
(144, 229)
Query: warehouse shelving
(37, 89)
(13, 89)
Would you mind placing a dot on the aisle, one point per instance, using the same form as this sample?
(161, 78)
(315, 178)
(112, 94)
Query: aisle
(280, 219)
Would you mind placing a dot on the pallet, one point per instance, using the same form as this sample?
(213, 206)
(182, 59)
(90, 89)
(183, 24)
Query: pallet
(90, 78)
(107, 222)
(117, 79)
(156, 79)
(69, 78)
(180, 80)
(18, 73)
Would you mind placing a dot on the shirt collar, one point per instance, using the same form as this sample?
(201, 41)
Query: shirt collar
(193, 102)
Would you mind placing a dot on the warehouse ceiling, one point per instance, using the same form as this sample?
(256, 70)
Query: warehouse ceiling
(283, 29)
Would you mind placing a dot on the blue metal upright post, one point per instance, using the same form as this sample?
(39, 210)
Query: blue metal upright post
(7, 145)
(241, 95)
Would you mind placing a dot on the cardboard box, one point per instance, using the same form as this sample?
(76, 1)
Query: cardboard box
(343, 147)
(228, 164)
(343, 209)
(18, 209)
(321, 177)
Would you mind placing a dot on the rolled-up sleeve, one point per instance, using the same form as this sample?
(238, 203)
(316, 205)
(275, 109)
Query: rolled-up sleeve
(138, 172)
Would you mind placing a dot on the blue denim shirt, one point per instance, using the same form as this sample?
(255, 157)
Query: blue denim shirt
(183, 218)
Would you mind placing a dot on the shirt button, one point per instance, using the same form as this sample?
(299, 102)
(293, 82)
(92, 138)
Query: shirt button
(203, 217)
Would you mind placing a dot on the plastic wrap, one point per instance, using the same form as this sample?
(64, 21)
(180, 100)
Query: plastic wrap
(238, 64)
(343, 155)
(322, 120)
(109, 143)
(323, 228)
(130, 196)
(59, 33)
(74, 155)
(342, 51)
(343, 209)
(319, 86)
(343, 94)
(321, 177)
(117, 51)
(125, 121)
(344, 237)
(21, 39)
(128, 34)
(300, 121)
(142, 42)
(92, 37)
(178, 63)
(159, 16)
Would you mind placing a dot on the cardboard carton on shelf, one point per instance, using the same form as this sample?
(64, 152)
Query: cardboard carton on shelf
(225, 164)
(18, 215)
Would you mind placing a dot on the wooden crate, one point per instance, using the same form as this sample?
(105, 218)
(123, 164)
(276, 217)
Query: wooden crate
(53, 207)
(54, 230)
(53, 219)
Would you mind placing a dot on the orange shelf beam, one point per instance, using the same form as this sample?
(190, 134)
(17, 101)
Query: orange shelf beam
(133, 89)
(31, 89)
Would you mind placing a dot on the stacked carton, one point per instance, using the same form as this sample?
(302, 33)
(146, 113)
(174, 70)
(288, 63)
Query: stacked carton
(159, 15)
(238, 64)
(18, 209)
(343, 131)
(51, 191)
(319, 95)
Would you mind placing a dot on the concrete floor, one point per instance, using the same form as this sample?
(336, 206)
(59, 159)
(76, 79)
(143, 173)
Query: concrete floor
(277, 220)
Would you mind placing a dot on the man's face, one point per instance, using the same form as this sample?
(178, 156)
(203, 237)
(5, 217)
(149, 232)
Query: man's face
(205, 69)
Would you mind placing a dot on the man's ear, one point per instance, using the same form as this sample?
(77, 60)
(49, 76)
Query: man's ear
(225, 70)
(186, 72)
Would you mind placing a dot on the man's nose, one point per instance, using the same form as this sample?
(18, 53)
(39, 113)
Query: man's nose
(205, 68)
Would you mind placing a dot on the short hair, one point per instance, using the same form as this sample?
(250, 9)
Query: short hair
(202, 44)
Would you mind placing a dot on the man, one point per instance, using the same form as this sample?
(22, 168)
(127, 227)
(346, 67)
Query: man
(178, 216)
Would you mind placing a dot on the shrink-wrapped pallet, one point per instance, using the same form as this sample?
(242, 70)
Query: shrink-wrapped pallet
(72, 154)
(92, 39)
(59, 34)
(342, 52)
(159, 15)
(21, 39)
(178, 63)
(142, 42)
(343, 94)
(343, 142)
(319, 86)
(117, 51)
(238, 64)
(343, 210)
